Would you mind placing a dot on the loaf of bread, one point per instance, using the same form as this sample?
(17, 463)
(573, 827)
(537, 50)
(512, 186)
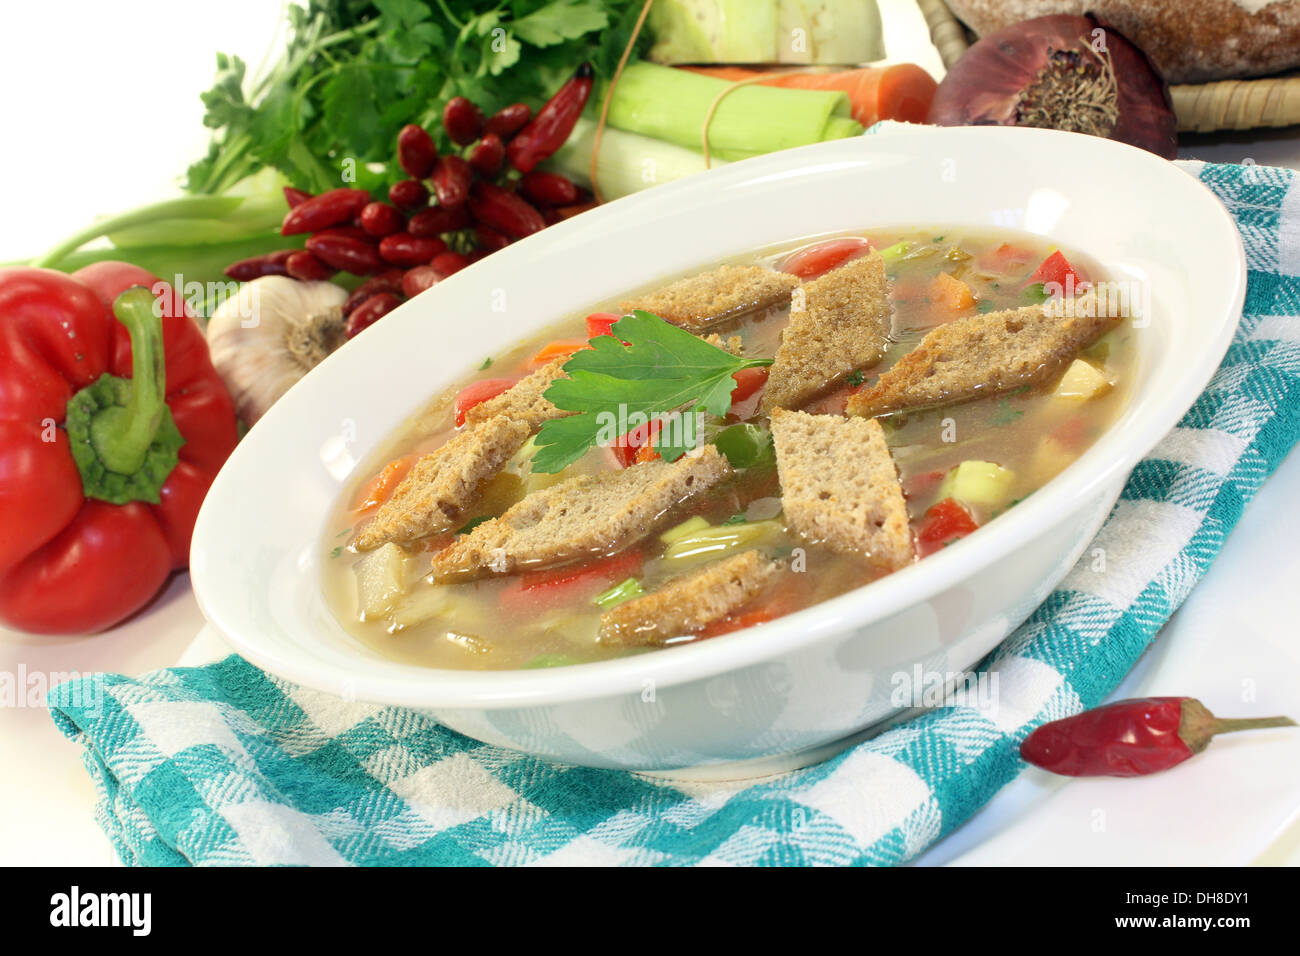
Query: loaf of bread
(1189, 41)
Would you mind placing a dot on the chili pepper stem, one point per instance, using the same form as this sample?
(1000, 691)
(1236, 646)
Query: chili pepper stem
(1228, 725)
(1198, 726)
(121, 435)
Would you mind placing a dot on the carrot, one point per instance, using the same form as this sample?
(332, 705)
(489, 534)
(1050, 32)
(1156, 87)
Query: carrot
(951, 295)
(552, 351)
(381, 487)
(902, 91)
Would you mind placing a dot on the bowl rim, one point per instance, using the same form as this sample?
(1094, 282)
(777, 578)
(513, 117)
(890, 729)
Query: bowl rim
(1107, 462)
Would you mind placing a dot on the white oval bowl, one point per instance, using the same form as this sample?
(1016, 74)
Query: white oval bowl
(771, 697)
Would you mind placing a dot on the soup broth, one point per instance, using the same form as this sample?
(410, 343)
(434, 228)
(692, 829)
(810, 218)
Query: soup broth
(975, 458)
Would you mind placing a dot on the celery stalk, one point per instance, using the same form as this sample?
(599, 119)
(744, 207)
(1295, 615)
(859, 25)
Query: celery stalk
(671, 104)
(628, 162)
(623, 591)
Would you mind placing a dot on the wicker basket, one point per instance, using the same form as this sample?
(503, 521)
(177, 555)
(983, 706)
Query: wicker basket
(1200, 107)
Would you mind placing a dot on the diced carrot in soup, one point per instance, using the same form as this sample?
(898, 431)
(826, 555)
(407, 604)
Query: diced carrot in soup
(381, 487)
(951, 296)
(553, 350)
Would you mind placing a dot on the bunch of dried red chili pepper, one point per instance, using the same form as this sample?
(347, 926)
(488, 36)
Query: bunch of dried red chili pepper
(484, 197)
(1132, 738)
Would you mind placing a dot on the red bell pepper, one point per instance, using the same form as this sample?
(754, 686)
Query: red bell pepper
(553, 587)
(943, 524)
(637, 445)
(599, 323)
(1056, 270)
(111, 431)
(817, 260)
(476, 393)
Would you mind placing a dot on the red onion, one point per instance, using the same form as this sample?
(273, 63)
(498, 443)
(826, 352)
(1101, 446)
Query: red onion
(1060, 72)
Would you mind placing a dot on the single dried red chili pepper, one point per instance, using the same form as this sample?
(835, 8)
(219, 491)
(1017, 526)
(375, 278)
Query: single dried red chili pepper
(488, 155)
(552, 124)
(271, 264)
(1131, 738)
(379, 219)
(415, 151)
(550, 189)
(419, 279)
(328, 209)
(347, 253)
(295, 197)
(370, 312)
(405, 250)
(408, 194)
(390, 280)
(508, 120)
(448, 263)
(305, 267)
(504, 211)
(452, 177)
(462, 120)
(434, 221)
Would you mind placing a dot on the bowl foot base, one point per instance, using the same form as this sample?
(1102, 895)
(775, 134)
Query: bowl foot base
(766, 766)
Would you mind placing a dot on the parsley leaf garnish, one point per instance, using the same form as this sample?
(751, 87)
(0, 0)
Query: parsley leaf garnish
(473, 523)
(1005, 414)
(856, 377)
(660, 369)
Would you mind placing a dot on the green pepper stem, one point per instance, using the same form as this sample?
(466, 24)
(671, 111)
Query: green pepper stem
(121, 435)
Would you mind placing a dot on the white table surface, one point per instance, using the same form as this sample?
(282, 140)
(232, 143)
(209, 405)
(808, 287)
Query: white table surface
(1237, 633)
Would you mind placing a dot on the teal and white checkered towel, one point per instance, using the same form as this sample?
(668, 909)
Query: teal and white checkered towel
(226, 765)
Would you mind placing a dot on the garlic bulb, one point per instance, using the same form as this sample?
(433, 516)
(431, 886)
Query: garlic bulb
(271, 334)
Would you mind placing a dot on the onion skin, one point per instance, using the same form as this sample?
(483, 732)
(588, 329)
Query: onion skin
(985, 87)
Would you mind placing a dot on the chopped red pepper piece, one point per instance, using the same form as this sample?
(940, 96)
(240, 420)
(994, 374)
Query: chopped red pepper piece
(638, 444)
(475, 393)
(822, 258)
(598, 323)
(748, 382)
(534, 590)
(1057, 270)
(943, 524)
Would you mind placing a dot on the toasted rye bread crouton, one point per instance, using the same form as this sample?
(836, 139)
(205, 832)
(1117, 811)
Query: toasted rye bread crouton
(844, 324)
(703, 300)
(986, 354)
(839, 486)
(688, 603)
(442, 483)
(584, 516)
(734, 344)
(525, 400)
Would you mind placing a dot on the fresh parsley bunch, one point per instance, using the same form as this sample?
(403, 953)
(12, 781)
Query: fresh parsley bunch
(355, 72)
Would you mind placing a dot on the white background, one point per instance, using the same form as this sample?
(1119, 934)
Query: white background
(101, 113)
